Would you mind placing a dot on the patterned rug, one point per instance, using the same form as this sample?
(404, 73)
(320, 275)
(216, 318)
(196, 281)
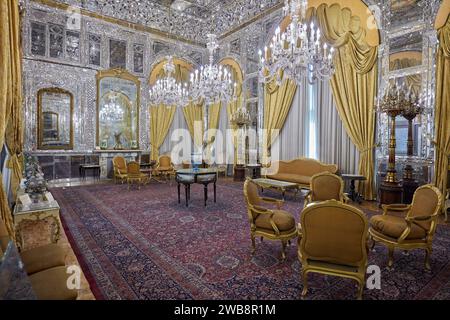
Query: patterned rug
(142, 244)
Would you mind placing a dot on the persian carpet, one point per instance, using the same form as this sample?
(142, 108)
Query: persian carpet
(142, 244)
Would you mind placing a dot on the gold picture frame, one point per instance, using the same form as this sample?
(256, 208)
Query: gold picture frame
(41, 121)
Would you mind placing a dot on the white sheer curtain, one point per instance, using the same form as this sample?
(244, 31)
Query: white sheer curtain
(334, 145)
(313, 129)
(293, 141)
(179, 122)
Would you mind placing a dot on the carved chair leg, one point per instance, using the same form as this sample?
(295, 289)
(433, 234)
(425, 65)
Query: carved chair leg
(262, 239)
(205, 188)
(283, 250)
(428, 251)
(186, 191)
(179, 191)
(305, 283)
(360, 289)
(391, 257)
(253, 244)
(373, 244)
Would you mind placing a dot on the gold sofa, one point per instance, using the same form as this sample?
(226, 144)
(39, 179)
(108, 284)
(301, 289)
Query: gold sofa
(414, 228)
(333, 242)
(326, 186)
(268, 223)
(298, 171)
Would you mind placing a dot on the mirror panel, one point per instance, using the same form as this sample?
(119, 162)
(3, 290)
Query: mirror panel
(406, 51)
(55, 125)
(404, 12)
(117, 110)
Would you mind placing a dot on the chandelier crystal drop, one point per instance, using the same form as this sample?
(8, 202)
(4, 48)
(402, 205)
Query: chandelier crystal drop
(111, 110)
(212, 83)
(167, 91)
(299, 52)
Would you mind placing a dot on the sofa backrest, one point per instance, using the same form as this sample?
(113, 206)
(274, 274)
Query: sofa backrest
(305, 167)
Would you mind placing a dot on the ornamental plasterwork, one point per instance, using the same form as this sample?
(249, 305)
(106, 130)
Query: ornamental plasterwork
(192, 23)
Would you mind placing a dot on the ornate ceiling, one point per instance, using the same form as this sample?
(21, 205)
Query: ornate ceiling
(186, 19)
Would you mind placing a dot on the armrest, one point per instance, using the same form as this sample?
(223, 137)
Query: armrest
(346, 199)
(395, 207)
(421, 218)
(278, 202)
(261, 210)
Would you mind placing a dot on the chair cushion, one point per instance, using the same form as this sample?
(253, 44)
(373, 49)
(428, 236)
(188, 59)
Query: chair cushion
(282, 219)
(394, 226)
(51, 284)
(290, 177)
(168, 168)
(42, 258)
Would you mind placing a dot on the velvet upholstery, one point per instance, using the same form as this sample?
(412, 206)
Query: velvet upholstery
(299, 170)
(51, 284)
(42, 258)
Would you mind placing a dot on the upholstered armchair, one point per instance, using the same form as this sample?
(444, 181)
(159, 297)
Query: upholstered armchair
(135, 174)
(333, 242)
(409, 227)
(273, 224)
(165, 166)
(326, 186)
(120, 169)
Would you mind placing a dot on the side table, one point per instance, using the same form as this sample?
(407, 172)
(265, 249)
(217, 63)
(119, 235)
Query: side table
(353, 194)
(37, 212)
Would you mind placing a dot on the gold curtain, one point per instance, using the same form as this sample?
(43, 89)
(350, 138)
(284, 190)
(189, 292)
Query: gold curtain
(193, 114)
(277, 104)
(442, 119)
(354, 83)
(10, 94)
(161, 118)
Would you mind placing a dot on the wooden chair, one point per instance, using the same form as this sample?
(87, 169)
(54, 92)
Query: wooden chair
(414, 228)
(120, 169)
(326, 186)
(135, 174)
(273, 224)
(333, 242)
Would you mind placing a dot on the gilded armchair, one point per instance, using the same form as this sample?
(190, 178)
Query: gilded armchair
(326, 186)
(165, 166)
(120, 169)
(412, 227)
(135, 174)
(333, 242)
(273, 224)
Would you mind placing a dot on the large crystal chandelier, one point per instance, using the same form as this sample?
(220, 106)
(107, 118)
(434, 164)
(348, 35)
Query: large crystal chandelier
(299, 52)
(111, 110)
(213, 82)
(167, 91)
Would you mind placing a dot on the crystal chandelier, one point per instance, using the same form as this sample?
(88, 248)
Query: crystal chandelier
(168, 91)
(241, 117)
(212, 83)
(299, 51)
(111, 110)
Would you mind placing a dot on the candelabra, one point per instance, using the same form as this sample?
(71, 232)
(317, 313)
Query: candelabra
(393, 104)
(413, 107)
(299, 52)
